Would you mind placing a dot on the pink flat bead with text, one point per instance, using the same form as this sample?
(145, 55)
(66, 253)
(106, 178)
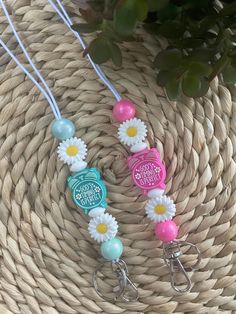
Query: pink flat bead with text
(148, 172)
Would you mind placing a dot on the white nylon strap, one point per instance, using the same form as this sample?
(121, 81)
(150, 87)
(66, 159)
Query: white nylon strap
(46, 92)
(67, 20)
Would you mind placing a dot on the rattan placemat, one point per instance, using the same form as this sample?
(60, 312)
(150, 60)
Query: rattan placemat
(46, 254)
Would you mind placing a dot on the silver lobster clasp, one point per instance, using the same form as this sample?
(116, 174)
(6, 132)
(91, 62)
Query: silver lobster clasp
(171, 254)
(125, 290)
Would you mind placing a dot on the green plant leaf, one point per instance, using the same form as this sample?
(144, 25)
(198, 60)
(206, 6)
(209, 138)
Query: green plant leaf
(201, 54)
(171, 29)
(86, 27)
(152, 28)
(173, 74)
(109, 31)
(163, 77)
(191, 85)
(232, 53)
(99, 50)
(199, 69)
(229, 9)
(141, 9)
(233, 38)
(189, 43)
(229, 21)
(229, 74)
(168, 12)
(199, 36)
(154, 5)
(207, 23)
(173, 90)
(204, 87)
(167, 59)
(125, 18)
(233, 62)
(109, 6)
(219, 66)
(115, 54)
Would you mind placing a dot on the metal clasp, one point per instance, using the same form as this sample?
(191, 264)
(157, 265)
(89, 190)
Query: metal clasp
(172, 253)
(125, 290)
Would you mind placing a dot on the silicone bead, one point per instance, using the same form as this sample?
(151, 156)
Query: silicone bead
(97, 211)
(62, 129)
(155, 193)
(88, 190)
(166, 231)
(78, 166)
(147, 169)
(112, 249)
(123, 110)
(138, 147)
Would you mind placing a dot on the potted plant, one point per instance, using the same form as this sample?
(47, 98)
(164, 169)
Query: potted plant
(199, 34)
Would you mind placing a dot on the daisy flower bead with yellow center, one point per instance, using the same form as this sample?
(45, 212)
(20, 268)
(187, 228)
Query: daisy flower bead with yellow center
(72, 150)
(103, 228)
(132, 131)
(160, 209)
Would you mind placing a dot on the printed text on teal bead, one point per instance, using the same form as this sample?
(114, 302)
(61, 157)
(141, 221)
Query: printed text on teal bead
(87, 189)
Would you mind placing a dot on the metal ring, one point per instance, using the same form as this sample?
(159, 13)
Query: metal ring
(122, 279)
(131, 287)
(199, 255)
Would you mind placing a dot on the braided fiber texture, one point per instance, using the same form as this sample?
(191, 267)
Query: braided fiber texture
(46, 254)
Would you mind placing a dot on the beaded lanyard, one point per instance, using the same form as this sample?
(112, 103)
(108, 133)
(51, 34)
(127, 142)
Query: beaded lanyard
(88, 190)
(148, 173)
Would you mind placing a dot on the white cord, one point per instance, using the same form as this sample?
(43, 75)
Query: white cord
(30, 76)
(26, 53)
(96, 67)
(66, 19)
(47, 93)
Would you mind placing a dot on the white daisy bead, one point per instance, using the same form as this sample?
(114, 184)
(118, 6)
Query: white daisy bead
(72, 150)
(160, 208)
(97, 211)
(138, 147)
(155, 193)
(78, 166)
(132, 131)
(103, 228)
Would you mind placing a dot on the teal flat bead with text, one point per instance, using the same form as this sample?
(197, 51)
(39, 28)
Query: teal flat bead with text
(88, 189)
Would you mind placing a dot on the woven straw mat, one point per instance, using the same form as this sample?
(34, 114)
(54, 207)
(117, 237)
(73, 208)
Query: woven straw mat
(46, 254)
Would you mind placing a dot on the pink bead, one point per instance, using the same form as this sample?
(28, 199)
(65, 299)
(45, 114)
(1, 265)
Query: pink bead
(123, 110)
(166, 231)
(148, 172)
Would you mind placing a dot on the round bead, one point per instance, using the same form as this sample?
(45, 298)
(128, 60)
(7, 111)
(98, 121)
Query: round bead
(166, 231)
(62, 129)
(112, 249)
(123, 110)
(97, 211)
(78, 166)
(155, 193)
(138, 147)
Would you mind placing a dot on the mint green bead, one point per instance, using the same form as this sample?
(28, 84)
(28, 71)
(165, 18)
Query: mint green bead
(112, 249)
(62, 129)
